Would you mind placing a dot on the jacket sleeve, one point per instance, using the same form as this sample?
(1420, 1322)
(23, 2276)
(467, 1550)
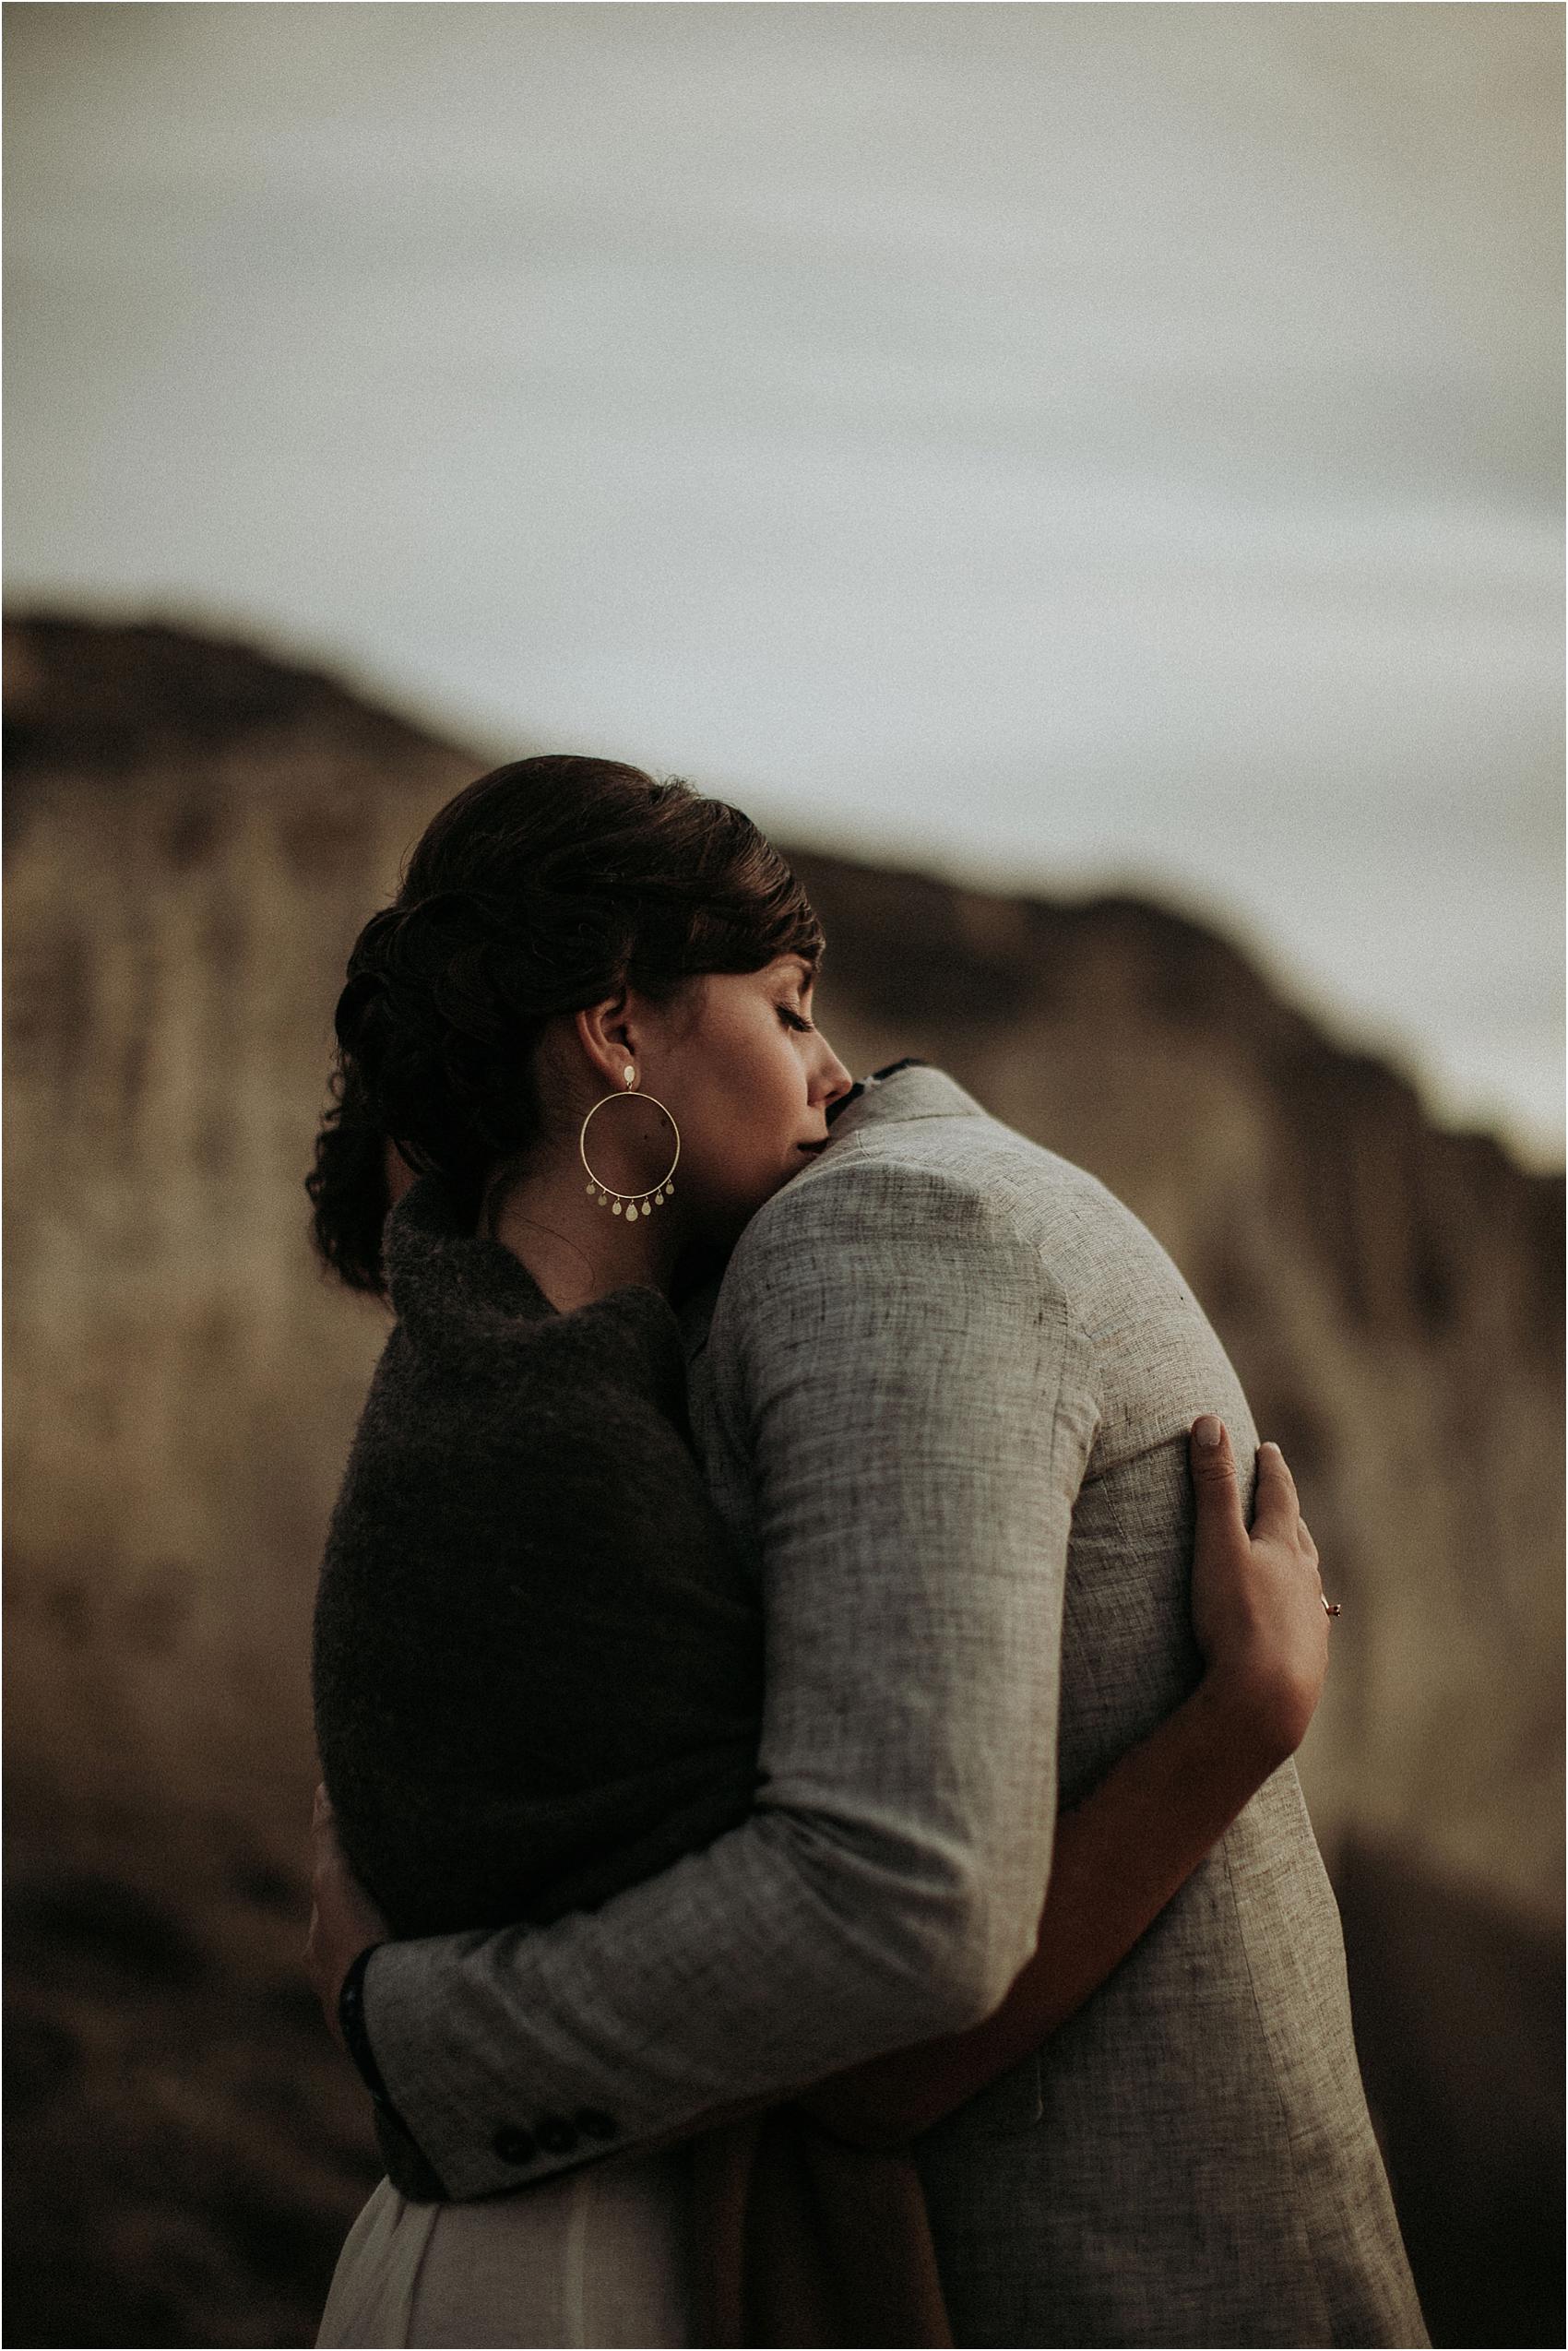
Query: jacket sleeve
(915, 1404)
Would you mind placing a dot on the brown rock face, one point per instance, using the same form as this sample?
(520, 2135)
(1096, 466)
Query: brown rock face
(196, 833)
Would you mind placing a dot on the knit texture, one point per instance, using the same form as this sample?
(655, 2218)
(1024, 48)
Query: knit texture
(536, 1662)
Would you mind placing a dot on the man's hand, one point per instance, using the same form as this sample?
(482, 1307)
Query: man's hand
(343, 1919)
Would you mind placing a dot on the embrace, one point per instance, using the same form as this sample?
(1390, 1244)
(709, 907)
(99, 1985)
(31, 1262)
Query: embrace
(807, 1664)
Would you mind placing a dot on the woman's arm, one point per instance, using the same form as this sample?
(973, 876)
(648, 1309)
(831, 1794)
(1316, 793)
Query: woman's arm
(1119, 1855)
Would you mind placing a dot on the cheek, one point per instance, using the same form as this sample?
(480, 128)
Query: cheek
(745, 1103)
(752, 1105)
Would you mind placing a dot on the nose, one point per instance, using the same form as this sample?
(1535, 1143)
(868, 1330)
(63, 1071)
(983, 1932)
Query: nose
(834, 1080)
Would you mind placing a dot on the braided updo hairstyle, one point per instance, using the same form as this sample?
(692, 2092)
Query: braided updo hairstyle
(548, 886)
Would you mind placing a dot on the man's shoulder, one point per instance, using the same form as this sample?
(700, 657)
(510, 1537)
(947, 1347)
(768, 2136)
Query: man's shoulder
(921, 1145)
(928, 1188)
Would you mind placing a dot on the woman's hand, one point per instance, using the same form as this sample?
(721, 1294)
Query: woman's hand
(1259, 1610)
(343, 1919)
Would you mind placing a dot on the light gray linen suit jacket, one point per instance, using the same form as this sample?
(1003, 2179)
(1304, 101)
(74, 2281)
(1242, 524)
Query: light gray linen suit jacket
(944, 1406)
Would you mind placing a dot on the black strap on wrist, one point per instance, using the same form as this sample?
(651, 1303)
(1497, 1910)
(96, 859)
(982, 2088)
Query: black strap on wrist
(351, 2025)
(407, 2166)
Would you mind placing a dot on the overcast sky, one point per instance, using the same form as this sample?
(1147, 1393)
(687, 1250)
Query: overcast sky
(1056, 445)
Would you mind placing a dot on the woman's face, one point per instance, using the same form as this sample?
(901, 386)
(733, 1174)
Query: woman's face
(749, 1079)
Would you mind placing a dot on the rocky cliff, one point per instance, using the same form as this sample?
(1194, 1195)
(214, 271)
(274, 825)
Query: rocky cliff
(195, 833)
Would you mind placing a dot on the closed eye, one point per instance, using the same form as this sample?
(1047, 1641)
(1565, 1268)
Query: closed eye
(794, 1020)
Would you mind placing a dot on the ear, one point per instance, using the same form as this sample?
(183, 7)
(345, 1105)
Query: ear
(604, 1032)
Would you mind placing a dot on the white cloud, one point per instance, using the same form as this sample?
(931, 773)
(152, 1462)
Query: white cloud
(1041, 439)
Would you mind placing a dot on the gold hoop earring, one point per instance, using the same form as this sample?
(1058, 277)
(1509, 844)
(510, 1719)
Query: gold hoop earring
(631, 1204)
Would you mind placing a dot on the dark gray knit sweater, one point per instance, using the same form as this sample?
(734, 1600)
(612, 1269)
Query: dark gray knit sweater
(537, 1659)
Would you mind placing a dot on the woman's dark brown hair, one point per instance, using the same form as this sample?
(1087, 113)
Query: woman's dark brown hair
(547, 886)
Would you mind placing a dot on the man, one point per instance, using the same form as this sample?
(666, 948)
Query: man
(944, 1403)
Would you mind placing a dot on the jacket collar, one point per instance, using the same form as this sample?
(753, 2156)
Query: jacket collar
(906, 1090)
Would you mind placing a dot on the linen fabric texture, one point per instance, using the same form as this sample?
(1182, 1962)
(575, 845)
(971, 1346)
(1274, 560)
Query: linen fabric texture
(943, 1407)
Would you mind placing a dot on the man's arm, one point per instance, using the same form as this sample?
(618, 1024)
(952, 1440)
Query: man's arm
(916, 1403)
(1124, 1851)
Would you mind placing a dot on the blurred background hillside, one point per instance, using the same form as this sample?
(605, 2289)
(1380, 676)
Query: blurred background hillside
(1087, 478)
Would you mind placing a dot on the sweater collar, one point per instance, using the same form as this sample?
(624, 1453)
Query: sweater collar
(430, 1252)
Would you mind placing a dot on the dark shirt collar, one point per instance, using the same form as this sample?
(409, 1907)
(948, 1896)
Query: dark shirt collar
(877, 1077)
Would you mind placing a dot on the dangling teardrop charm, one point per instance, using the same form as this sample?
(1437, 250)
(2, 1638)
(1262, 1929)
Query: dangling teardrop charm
(635, 1205)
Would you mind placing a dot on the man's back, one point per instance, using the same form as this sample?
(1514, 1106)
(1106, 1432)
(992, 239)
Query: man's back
(1189, 2160)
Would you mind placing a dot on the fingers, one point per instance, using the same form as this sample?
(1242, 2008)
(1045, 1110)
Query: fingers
(1214, 1474)
(1276, 1509)
(1276, 1506)
(1212, 1462)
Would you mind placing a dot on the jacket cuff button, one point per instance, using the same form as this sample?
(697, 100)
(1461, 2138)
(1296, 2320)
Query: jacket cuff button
(555, 2134)
(594, 2123)
(514, 2147)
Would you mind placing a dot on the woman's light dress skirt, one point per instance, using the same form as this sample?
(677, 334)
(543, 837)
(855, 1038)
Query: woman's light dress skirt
(599, 2257)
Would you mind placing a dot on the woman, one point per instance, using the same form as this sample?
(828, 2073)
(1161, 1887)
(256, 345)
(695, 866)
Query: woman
(585, 1024)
